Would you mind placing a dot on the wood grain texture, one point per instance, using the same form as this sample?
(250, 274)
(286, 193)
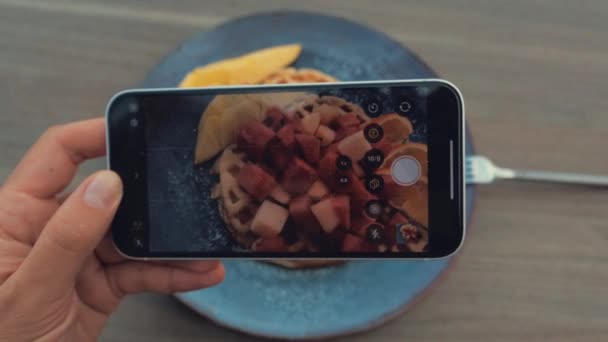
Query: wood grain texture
(534, 76)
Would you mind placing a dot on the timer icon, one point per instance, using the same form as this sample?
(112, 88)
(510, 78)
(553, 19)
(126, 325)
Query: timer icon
(373, 108)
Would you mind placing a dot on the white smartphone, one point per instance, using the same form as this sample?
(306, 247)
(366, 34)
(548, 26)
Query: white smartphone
(309, 171)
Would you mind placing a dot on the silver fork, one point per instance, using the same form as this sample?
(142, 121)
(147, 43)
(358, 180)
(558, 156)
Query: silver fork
(481, 170)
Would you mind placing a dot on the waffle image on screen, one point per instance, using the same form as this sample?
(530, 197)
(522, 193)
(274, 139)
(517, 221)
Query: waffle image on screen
(333, 171)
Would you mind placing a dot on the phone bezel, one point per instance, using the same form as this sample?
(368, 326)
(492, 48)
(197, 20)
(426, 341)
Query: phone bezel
(124, 238)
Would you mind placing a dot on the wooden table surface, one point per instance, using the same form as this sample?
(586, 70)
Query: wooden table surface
(535, 79)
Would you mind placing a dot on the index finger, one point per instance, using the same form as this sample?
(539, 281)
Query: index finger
(51, 164)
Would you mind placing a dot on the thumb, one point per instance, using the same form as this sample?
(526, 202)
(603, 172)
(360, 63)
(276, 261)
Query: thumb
(73, 233)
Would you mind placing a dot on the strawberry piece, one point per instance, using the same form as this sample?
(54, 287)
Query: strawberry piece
(278, 156)
(333, 148)
(384, 146)
(287, 136)
(256, 182)
(310, 147)
(253, 138)
(328, 169)
(345, 132)
(298, 177)
(341, 206)
(299, 209)
(346, 121)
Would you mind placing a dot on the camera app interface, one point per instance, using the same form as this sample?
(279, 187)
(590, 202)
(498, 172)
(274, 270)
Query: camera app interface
(334, 171)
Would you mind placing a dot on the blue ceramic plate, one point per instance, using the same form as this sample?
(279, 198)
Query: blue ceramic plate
(265, 300)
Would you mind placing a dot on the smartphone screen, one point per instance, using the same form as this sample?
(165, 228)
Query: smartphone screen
(349, 170)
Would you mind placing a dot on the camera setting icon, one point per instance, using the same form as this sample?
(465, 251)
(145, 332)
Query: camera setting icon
(373, 108)
(404, 106)
(373, 133)
(374, 184)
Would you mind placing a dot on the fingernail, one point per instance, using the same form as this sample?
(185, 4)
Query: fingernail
(103, 191)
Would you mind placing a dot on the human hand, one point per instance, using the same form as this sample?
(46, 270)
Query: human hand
(60, 276)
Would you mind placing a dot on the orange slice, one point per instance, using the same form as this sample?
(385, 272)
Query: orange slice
(236, 115)
(208, 140)
(250, 68)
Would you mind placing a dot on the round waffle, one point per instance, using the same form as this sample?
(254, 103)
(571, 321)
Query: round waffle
(236, 207)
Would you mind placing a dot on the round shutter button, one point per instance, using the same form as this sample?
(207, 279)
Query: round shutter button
(406, 170)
